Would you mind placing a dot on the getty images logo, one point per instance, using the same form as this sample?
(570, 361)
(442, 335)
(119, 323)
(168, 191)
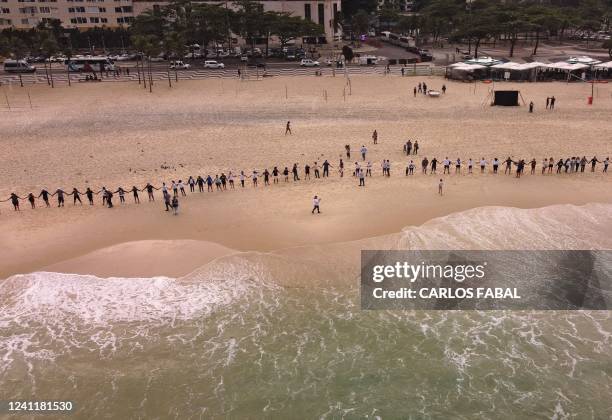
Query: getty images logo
(413, 272)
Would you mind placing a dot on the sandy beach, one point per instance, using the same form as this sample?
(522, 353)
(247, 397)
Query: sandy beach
(118, 134)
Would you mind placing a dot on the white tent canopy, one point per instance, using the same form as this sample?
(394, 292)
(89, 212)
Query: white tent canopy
(484, 61)
(466, 67)
(607, 65)
(517, 66)
(583, 59)
(562, 65)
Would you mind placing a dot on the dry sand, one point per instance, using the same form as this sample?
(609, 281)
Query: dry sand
(118, 134)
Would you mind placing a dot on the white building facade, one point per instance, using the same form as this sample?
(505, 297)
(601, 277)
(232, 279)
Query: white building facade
(83, 14)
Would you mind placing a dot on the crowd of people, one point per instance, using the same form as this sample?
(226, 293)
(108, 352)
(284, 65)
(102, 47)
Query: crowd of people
(361, 171)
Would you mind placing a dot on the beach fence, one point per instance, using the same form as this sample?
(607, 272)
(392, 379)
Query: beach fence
(246, 74)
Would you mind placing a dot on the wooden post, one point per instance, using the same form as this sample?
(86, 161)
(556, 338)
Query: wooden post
(29, 99)
(20, 80)
(286, 93)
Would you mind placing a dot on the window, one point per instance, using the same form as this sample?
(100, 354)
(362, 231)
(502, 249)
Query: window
(102, 9)
(127, 19)
(127, 9)
(26, 10)
(104, 20)
(24, 21)
(321, 14)
(6, 22)
(6, 10)
(117, 9)
(94, 20)
(76, 10)
(44, 10)
(307, 13)
(78, 20)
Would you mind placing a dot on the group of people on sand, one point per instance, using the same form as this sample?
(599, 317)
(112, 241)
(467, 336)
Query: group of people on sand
(317, 170)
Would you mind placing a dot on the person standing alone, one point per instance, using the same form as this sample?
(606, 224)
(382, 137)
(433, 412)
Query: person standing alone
(316, 201)
(288, 128)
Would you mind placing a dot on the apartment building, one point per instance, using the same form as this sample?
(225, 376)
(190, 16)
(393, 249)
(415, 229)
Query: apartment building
(83, 14)
(25, 14)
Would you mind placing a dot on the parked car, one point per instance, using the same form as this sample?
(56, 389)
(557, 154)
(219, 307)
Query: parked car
(244, 58)
(179, 65)
(18, 66)
(212, 64)
(306, 62)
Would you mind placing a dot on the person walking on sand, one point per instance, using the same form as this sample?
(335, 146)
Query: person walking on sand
(347, 147)
(531, 107)
(408, 147)
(175, 205)
(441, 187)
(316, 202)
(288, 128)
(368, 169)
(167, 200)
(364, 151)
(415, 91)
(434, 164)
(552, 103)
(32, 200)
(424, 164)
(375, 137)
(296, 176)
(361, 176)
(443, 89)
(547, 102)
(415, 148)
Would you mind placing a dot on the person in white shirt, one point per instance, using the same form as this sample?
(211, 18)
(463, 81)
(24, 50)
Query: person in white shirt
(242, 179)
(446, 163)
(364, 150)
(470, 164)
(483, 163)
(369, 169)
(316, 201)
(361, 176)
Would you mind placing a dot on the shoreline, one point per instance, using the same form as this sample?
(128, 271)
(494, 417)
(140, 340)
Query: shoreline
(348, 214)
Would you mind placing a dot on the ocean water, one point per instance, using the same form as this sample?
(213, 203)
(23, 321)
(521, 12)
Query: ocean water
(281, 335)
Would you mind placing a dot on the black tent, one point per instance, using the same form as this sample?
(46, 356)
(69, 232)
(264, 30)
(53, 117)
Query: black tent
(506, 97)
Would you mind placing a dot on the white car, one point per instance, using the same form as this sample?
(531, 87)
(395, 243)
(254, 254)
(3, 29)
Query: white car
(306, 62)
(212, 64)
(244, 58)
(179, 65)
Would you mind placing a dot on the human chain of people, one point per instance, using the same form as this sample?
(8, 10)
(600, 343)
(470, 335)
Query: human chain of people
(362, 170)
